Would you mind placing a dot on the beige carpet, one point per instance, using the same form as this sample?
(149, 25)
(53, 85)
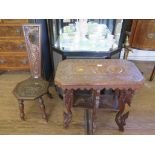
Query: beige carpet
(141, 119)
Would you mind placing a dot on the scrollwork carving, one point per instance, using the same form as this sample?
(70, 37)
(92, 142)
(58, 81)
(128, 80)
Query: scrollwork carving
(32, 34)
(68, 100)
(125, 97)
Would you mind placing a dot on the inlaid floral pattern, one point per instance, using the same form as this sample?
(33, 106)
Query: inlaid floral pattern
(98, 74)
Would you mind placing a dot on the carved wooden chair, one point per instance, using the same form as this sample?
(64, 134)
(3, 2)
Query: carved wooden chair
(34, 87)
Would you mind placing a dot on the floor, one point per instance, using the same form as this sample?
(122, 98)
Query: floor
(141, 119)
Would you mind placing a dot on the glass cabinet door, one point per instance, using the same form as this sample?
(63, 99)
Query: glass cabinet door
(87, 34)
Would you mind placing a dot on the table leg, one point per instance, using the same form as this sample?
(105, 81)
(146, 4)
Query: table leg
(152, 74)
(68, 100)
(42, 108)
(21, 108)
(88, 120)
(96, 97)
(124, 97)
(91, 114)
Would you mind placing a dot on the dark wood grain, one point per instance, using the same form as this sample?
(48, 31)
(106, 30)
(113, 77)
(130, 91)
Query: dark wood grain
(143, 34)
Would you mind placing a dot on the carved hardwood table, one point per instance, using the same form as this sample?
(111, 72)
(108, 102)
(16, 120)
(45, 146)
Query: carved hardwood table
(120, 76)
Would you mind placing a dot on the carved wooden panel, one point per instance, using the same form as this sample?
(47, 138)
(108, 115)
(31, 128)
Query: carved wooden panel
(143, 34)
(32, 34)
(98, 74)
(11, 31)
(12, 45)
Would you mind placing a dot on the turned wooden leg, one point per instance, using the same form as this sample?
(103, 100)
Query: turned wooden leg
(42, 107)
(49, 95)
(125, 97)
(91, 114)
(21, 108)
(68, 100)
(88, 121)
(96, 96)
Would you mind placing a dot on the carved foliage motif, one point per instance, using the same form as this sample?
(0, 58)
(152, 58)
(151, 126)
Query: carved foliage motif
(68, 100)
(98, 74)
(125, 97)
(32, 36)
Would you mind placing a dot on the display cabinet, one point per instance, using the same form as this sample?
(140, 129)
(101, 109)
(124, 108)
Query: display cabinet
(85, 38)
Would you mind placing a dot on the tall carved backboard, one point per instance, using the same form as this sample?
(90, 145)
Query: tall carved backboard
(32, 34)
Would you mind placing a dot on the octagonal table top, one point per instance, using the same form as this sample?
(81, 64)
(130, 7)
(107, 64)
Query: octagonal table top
(98, 74)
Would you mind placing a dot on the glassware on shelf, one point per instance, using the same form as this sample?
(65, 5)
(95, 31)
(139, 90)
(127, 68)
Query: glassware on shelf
(87, 36)
(82, 27)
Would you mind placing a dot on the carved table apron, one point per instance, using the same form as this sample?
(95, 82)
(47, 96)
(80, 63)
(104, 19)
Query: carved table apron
(122, 76)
